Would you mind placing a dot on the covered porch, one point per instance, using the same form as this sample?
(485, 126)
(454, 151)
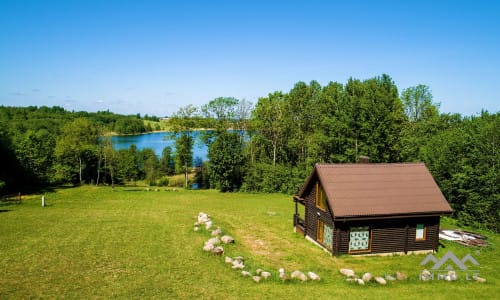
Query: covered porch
(299, 224)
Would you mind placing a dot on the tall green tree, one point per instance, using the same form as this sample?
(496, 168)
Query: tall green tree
(183, 124)
(35, 151)
(418, 103)
(110, 158)
(76, 149)
(464, 160)
(268, 120)
(184, 155)
(226, 162)
(150, 166)
(422, 121)
(128, 164)
(167, 164)
(222, 110)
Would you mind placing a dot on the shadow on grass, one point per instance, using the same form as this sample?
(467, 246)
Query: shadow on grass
(4, 210)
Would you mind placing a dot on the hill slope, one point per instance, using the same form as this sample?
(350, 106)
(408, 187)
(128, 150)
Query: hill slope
(95, 243)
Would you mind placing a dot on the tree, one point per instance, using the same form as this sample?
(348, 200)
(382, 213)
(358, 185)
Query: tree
(183, 123)
(76, 149)
(35, 151)
(167, 164)
(184, 119)
(222, 110)
(149, 165)
(464, 160)
(128, 164)
(226, 162)
(184, 155)
(418, 104)
(111, 158)
(268, 119)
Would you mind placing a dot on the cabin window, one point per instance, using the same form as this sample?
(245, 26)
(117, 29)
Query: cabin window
(420, 234)
(320, 197)
(359, 239)
(324, 234)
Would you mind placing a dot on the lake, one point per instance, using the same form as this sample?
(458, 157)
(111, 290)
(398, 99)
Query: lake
(158, 141)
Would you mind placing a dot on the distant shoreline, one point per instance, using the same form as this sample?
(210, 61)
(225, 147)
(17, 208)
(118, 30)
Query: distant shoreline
(112, 133)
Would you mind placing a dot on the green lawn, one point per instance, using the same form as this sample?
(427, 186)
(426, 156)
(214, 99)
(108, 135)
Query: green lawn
(95, 243)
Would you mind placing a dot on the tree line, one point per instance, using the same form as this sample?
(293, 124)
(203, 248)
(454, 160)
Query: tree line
(271, 146)
(37, 144)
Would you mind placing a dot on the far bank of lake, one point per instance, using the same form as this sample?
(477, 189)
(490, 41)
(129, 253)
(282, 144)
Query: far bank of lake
(158, 141)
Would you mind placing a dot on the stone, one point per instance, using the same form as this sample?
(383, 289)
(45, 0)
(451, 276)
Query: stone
(256, 278)
(390, 277)
(226, 239)
(265, 274)
(216, 232)
(360, 281)
(299, 275)
(237, 264)
(208, 225)
(401, 276)
(380, 280)
(208, 247)
(203, 217)
(347, 272)
(245, 273)
(425, 275)
(283, 275)
(480, 279)
(452, 276)
(313, 276)
(367, 277)
(240, 258)
(218, 250)
(213, 241)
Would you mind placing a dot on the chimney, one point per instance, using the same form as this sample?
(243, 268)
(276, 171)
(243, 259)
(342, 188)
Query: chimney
(364, 159)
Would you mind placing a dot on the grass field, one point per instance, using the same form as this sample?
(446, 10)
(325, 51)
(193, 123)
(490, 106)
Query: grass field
(95, 243)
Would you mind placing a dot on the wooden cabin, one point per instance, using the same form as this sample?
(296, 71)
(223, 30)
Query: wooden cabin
(371, 208)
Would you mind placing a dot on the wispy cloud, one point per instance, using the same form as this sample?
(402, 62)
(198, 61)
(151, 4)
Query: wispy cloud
(35, 90)
(17, 93)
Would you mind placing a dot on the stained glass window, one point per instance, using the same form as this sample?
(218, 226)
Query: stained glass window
(328, 237)
(324, 234)
(359, 238)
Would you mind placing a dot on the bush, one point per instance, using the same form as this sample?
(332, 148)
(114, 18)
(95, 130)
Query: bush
(162, 181)
(271, 179)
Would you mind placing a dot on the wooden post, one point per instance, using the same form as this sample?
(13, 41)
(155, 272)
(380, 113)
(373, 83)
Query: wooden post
(43, 200)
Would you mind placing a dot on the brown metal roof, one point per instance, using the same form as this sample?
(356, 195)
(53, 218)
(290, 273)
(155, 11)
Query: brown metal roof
(360, 190)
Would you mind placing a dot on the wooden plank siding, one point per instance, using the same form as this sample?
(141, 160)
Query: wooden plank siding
(313, 214)
(389, 236)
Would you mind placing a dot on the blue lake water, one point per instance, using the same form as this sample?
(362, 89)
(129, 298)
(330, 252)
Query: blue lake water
(158, 141)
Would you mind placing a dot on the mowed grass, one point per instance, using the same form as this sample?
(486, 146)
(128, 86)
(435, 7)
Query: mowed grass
(92, 242)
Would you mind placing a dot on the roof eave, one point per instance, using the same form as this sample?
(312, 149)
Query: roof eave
(306, 184)
(390, 216)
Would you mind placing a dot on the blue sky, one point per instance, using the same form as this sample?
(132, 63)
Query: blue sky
(152, 57)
